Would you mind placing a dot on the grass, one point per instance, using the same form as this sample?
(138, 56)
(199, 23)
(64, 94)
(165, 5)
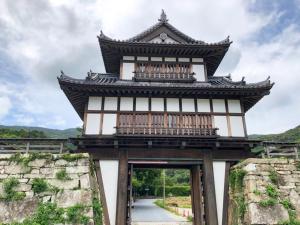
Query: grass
(62, 175)
(10, 194)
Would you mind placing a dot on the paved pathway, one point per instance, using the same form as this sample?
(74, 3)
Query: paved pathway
(146, 212)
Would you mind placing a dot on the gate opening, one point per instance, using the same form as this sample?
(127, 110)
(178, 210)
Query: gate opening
(160, 196)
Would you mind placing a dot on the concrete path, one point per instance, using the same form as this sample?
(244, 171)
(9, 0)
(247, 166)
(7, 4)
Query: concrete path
(145, 212)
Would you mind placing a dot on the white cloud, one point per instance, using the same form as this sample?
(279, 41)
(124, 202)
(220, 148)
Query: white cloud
(5, 106)
(41, 37)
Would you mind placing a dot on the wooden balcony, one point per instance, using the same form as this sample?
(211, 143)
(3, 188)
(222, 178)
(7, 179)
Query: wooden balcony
(164, 72)
(165, 124)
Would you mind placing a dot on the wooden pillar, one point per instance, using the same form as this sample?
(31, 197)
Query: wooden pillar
(102, 193)
(211, 216)
(226, 194)
(196, 194)
(122, 188)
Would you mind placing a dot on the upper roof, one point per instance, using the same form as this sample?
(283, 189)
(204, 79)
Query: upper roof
(97, 84)
(161, 39)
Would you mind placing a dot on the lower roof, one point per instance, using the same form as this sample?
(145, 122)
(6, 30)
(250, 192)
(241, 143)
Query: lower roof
(95, 84)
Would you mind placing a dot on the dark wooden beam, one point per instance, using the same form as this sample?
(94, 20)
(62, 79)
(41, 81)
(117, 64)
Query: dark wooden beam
(226, 195)
(196, 195)
(122, 188)
(209, 190)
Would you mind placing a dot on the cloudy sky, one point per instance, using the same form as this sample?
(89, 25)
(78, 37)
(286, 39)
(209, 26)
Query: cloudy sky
(38, 38)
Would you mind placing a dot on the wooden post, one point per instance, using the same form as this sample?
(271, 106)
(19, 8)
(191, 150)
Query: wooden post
(209, 190)
(61, 147)
(196, 194)
(27, 147)
(122, 188)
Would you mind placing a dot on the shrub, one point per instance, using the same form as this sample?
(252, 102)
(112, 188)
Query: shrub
(273, 176)
(176, 190)
(236, 179)
(97, 210)
(62, 175)
(75, 214)
(271, 191)
(39, 185)
(9, 193)
(268, 203)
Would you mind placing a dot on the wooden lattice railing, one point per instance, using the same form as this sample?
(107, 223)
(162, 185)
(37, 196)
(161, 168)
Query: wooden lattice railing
(160, 72)
(176, 124)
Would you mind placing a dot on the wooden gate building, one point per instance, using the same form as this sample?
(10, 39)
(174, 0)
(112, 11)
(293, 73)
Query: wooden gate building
(159, 104)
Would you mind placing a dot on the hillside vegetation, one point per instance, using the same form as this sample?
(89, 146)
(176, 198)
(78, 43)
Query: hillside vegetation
(292, 135)
(36, 132)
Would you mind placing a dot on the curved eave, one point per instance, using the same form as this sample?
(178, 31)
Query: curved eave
(78, 91)
(113, 50)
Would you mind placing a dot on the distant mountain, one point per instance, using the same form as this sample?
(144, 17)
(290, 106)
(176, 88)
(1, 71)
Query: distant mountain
(292, 135)
(49, 133)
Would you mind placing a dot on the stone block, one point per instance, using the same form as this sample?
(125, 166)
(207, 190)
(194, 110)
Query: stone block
(37, 163)
(16, 169)
(23, 187)
(17, 211)
(47, 170)
(3, 176)
(31, 176)
(61, 162)
(266, 215)
(83, 162)
(67, 184)
(295, 200)
(69, 198)
(85, 181)
(77, 169)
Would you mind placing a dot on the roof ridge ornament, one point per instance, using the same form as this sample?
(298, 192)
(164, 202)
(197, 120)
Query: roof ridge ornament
(163, 17)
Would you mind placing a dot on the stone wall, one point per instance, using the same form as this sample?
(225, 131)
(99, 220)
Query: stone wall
(32, 184)
(265, 191)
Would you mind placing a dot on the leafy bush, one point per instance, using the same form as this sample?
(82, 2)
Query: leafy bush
(62, 175)
(9, 193)
(75, 214)
(271, 191)
(97, 210)
(176, 190)
(39, 185)
(268, 203)
(273, 176)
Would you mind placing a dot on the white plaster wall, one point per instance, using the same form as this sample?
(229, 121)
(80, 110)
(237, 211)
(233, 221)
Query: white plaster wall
(92, 124)
(237, 126)
(142, 58)
(219, 105)
(156, 59)
(95, 103)
(221, 123)
(128, 58)
(197, 60)
(203, 105)
(219, 178)
(170, 59)
(157, 104)
(141, 104)
(109, 123)
(110, 172)
(126, 104)
(127, 70)
(234, 106)
(111, 103)
(172, 104)
(199, 72)
(188, 105)
(183, 59)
